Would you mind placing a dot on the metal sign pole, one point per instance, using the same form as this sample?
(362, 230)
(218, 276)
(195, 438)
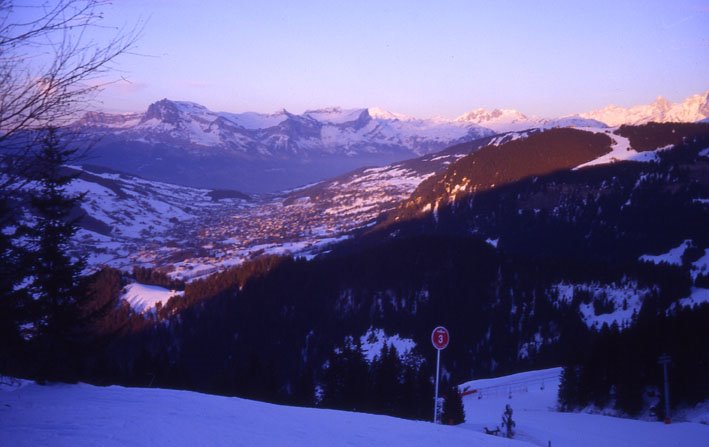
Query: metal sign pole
(435, 399)
(665, 360)
(440, 338)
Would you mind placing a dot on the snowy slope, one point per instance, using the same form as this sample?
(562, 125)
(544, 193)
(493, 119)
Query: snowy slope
(84, 415)
(533, 399)
(144, 297)
(621, 299)
(621, 150)
(122, 216)
(304, 221)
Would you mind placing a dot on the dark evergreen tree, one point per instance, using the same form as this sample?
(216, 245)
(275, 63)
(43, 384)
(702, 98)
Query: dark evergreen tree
(55, 273)
(12, 301)
(386, 383)
(346, 378)
(453, 411)
(416, 389)
(568, 388)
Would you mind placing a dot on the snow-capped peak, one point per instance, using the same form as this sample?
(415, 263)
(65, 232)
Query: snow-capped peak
(693, 108)
(482, 116)
(334, 115)
(381, 114)
(255, 120)
(661, 104)
(500, 120)
(173, 112)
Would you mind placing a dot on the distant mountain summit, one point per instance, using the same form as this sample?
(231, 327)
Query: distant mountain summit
(284, 134)
(510, 120)
(186, 143)
(496, 119)
(695, 108)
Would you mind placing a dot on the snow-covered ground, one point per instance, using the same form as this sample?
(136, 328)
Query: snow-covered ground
(621, 150)
(625, 298)
(373, 341)
(84, 415)
(143, 297)
(533, 400)
(698, 295)
(672, 257)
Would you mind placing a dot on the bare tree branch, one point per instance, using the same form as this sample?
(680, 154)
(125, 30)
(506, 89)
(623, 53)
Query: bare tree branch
(49, 68)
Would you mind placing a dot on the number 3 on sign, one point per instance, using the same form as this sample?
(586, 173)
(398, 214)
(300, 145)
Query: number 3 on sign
(440, 338)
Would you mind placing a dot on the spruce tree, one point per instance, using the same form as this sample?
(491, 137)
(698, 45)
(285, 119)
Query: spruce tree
(568, 388)
(54, 271)
(346, 377)
(385, 377)
(453, 411)
(12, 301)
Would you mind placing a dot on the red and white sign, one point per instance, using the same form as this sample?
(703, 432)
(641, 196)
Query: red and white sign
(440, 338)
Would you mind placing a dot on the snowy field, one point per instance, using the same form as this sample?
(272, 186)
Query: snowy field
(533, 400)
(143, 297)
(84, 415)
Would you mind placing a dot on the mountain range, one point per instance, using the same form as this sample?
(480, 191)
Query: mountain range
(692, 109)
(186, 143)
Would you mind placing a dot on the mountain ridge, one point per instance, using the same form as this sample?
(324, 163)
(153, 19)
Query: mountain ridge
(691, 109)
(186, 143)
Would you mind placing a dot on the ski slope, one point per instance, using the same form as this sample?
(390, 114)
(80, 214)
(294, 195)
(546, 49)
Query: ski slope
(84, 415)
(533, 399)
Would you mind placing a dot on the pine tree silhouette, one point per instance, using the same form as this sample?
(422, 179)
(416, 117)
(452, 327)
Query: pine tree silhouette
(453, 411)
(56, 273)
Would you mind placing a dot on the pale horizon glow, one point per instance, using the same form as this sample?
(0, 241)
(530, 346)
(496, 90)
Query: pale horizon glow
(422, 59)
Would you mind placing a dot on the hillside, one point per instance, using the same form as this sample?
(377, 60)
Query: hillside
(533, 397)
(518, 162)
(125, 220)
(82, 415)
(193, 232)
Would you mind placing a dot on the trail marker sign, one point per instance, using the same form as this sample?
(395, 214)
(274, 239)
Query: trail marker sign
(440, 338)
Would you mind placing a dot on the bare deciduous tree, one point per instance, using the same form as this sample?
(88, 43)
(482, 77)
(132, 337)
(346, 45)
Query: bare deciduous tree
(51, 64)
(50, 67)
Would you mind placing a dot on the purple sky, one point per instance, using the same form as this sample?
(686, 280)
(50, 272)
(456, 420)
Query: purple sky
(415, 57)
